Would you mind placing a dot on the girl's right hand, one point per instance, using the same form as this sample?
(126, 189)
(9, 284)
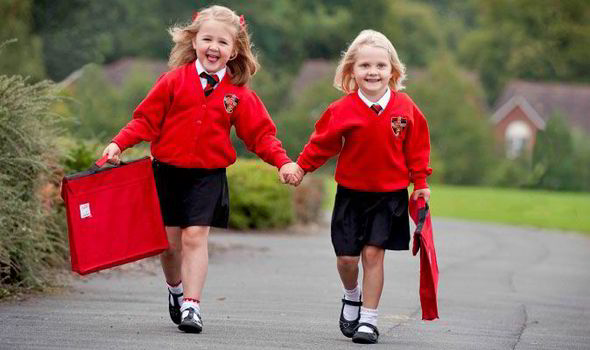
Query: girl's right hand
(114, 153)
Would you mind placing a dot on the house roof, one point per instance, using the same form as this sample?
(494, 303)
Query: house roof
(525, 106)
(116, 72)
(311, 72)
(541, 101)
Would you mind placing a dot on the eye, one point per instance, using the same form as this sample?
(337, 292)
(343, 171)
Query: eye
(381, 65)
(364, 65)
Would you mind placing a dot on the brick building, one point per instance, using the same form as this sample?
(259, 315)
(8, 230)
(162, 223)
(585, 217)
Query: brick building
(524, 108)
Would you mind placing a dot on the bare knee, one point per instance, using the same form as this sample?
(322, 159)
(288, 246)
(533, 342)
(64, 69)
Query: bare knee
(194, 237)
(373, 256)
(347, 261)
(174, 242)
(174, 249)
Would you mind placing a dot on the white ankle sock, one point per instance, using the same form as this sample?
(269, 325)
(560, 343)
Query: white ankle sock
(368, 316)
(350, 311)
(176, 290)
(187, 304)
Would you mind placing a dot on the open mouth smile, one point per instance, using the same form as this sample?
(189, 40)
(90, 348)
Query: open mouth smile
(212, 57)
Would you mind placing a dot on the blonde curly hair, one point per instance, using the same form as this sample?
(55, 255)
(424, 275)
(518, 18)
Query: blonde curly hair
(241, 68)
(343, 79)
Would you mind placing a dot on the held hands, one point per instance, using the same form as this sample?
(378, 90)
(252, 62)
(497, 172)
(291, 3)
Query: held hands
(291, 173)
(425, 193)
(114, 153)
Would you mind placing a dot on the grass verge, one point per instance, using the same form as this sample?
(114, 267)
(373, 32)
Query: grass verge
(567, 211)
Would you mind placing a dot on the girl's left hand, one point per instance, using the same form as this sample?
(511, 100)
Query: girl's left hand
(291, 173)
(425, 193)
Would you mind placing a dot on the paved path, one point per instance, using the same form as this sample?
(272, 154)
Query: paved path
(500, 288)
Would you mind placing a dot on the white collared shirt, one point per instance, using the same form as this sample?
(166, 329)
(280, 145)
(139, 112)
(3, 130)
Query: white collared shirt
(383, 101)
(200, 69)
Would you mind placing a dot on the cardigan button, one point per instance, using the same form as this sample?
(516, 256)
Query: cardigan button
(204, 106)
(199, 122)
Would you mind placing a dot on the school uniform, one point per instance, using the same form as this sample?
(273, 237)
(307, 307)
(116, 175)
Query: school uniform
(380, 154)
(191, 145)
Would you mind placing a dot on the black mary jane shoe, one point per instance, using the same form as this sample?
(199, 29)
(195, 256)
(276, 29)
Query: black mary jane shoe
(348, 328)
(174, 307)
(364, 337)
(191, 321)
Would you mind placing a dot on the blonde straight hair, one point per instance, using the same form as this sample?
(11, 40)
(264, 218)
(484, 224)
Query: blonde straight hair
(241, 68)
(343, 79)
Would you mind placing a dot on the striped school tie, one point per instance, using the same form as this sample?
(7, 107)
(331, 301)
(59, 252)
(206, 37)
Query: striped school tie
(212, 80)
(377, 108)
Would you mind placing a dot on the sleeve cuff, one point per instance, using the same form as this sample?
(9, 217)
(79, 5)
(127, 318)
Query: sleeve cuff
(118, 143)
(420, 184)
(305, 166)
(282, 161)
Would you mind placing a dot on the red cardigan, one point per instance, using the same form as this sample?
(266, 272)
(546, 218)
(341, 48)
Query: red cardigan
(378, 153)
(189, 130)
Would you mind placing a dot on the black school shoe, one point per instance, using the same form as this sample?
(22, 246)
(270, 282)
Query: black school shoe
(364, 337)
(174, 306)
(191, 321)
(348, 328)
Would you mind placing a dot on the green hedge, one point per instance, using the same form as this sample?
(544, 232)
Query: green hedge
(257, 198)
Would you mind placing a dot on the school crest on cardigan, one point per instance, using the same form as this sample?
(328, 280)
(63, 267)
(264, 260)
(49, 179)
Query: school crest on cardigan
(398, 124)
(230, 102)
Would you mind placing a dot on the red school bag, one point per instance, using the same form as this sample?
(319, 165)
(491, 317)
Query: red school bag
(424, 242)
(113, 215)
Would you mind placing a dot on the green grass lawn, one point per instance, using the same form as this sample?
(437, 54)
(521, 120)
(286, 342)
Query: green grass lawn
(552, 210)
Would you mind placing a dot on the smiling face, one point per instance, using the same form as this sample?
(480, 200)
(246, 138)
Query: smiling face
(214, 44)
(372, 71)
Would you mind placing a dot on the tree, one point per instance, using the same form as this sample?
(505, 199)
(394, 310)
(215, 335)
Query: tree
(24, 55)
(97, 109)
(460, 136)
(296, 123)
(77, 32)
(553, 157)
(415, 31)
(535, 40)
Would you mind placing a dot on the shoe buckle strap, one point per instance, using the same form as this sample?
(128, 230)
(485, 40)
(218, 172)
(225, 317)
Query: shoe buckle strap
(352, 302)
(368, 325)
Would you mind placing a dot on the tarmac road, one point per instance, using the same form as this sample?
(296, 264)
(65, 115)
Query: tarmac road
(500, 287)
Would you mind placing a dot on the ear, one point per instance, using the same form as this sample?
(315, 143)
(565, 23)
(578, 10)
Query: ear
(233, 56)
(194, 42)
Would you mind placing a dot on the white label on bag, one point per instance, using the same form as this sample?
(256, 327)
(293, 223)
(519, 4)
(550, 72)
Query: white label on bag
(85, 210)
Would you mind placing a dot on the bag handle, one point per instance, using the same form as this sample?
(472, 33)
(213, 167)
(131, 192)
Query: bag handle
(101, 162)
(422, 211)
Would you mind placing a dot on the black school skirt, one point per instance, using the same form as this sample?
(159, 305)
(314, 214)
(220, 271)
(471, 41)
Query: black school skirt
(191, 196)
(370, 218)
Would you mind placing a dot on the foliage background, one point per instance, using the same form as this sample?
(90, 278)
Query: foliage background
(459, 55)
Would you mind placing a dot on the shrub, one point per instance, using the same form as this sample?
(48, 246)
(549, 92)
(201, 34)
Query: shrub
(31, 235)
(257, 199)
(309, 198)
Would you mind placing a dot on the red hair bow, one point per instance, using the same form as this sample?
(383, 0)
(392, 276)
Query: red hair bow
(195, 15)
(242, 20)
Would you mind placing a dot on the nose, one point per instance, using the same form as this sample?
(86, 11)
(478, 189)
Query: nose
(213, 46)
